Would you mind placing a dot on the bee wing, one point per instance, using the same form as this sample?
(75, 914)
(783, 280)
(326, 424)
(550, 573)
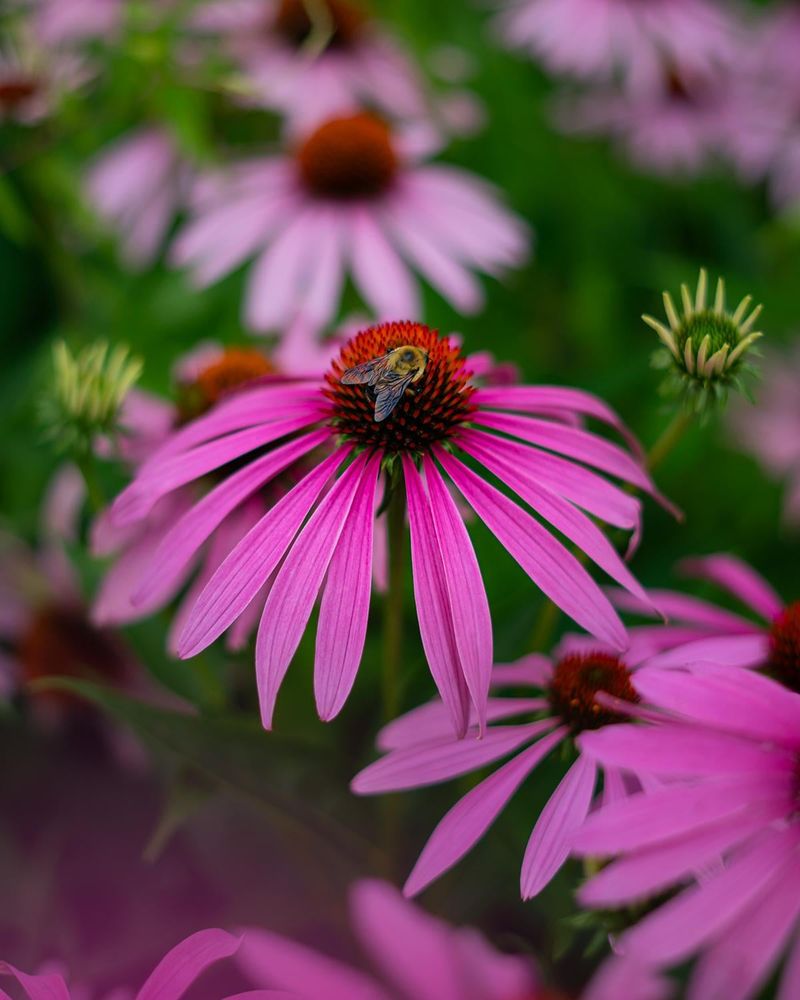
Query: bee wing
(389, 394)
(366, 374)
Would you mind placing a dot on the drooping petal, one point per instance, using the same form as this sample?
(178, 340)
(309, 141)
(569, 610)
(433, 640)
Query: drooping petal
(49, 986)
(344, 608)
(297, 584)
(744, 650)
(535, 670)
(681, 608)
(441, 758)
(551, 567)
(550, 840)
(180, 967)
(469, 606)
(382, 277)
(432, 603)
(738, 579)
(790, 980)
(250, 564)
(464, 825)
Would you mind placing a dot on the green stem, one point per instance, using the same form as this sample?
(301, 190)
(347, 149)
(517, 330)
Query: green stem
(94, 492)
(670, 437)
(393, 606)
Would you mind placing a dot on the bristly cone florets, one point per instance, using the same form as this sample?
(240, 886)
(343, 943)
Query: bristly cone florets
(430, 411)
(348, 158)
(235, 367)
(705, 348)
(784, 647)
(577, 679)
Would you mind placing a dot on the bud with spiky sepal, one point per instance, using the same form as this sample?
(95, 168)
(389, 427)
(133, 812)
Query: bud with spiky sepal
(86, 394)
(706, 349)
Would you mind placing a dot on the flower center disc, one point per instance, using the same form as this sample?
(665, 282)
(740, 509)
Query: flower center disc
(294, 25)
(576, 681)
(15, 91)
(233, 369)
(348, 158)
(720, 330)
(784, 647)
(429, 411)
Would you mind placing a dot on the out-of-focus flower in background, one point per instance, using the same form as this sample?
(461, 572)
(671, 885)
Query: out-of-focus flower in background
(351, 199)
(424, 430)
(718, 829)
(770, 431)
(69, 23)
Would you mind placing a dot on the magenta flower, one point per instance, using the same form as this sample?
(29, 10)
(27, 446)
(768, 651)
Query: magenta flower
(137, 185)
(561, 697)
(321, 531)
(415, 957)
(770, 431)
(700, 632)
(360, 66)
(719, 825)
(349, 200)
(170, 979)
(596, 38)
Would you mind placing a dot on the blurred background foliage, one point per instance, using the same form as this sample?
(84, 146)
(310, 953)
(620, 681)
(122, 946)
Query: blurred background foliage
(609, 239)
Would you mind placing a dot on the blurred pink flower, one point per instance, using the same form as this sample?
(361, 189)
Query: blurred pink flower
(720, 826)
(170, 979)
(770, 431)
(351, 199)
(32, 80)
(360, 65)
(281, 564)
(415, 957)
(561, 694)
(597, 38)
(137, 185)
(68, 22)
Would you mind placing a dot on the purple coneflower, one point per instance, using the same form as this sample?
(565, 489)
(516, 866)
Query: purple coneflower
(719, 827)
(596, 38)
(319, 536)
(347, 200)
(561, 699)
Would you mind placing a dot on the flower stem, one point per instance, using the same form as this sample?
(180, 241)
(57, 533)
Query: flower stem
(669, 438)
(86, 466)
(393, 606)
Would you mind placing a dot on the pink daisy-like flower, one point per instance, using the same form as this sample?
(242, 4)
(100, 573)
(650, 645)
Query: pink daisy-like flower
(596, 38)
(561, 696)
(171, 978)
(137, 185)
(31, 81)
(719, 826)
(359, 65)
(71, 22)
(700, 632)
(415, 957)
(321, 531)
(770, 431)
(348, 200)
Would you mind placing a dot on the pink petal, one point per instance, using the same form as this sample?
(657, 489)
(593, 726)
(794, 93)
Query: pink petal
(381, 276)
(432, 601)
(700, 913)
(432, 720)
(297, 584)
(44, 987)
(344, 609)
(179, 968)
(790, 980)
(464, 825)
(469, 606)
(678, 751)
(551, 567)
(195, 526)
(549, 844)
(681, 608)
(729, 651)
(250, 564)
(326, 278)
(738, 702)
(442, 758)
(535, 670)
(738, 579)
(623, 977)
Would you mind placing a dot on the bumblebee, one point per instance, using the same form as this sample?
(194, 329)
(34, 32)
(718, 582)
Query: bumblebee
(389, 376)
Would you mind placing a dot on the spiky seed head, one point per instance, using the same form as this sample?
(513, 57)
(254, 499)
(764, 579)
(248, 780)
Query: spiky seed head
(705, 349)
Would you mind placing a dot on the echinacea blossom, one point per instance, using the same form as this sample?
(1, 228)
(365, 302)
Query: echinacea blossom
(770, 430)
(137, 186)
(699, 632)
(313, 72)
(705, 350)
(172, 977)
(598, 38)
(717, 828)
(348, 201)
(70, 22)
(557, 701)
(319, 536)
(32, 81)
